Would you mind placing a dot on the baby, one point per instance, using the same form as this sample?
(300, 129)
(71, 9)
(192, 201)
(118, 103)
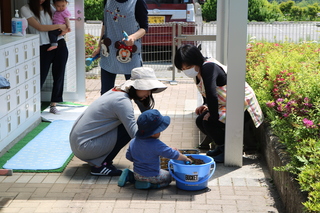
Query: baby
(61, 16)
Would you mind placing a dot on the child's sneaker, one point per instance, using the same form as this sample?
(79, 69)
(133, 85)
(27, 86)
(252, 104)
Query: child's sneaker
(142, 185)
(126, 176)
(145, 185)
(107, 170)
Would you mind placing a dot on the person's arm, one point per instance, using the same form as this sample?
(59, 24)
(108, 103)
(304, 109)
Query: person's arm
(135, 36)
(128, 155)
(97, 50)
(171, 152)
(124, 110)
(68, 24)
(141, 15)
(67, 14)
(68, 29)
(209, 75)
(45, 28)
(184, 158)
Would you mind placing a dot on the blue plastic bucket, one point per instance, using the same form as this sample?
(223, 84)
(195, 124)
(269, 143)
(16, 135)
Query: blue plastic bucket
(192, 177)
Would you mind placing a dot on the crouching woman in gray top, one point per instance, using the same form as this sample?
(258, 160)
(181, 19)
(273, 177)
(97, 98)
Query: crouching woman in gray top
(108, 124)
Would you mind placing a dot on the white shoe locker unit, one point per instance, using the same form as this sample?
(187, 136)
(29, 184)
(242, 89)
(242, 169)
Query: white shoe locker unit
(20, 105)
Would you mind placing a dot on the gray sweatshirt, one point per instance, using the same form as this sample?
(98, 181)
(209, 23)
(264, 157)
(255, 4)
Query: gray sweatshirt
(94, 134)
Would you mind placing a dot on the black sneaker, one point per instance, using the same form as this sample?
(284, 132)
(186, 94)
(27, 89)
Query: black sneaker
(203, 147)
(107, 170)
(219, 150)
(219, 158)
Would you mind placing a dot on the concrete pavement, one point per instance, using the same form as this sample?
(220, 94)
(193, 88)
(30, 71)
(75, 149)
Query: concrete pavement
(230, 190)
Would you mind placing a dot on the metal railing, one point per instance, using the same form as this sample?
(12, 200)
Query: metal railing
(272, 32)
(159, 56)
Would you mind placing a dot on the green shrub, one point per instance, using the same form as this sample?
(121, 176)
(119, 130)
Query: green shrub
(285, 78)
(209, 10)
(257, 10)
(273, 13)
(268, 11)
(285, 7)
(93, 9)
(312, 12)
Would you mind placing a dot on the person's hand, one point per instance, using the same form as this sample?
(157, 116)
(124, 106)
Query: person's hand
(188, 160)
(206, 116)
(130, 41)
(95, 52)
(201, 109)
(64, 29)
(63, 32)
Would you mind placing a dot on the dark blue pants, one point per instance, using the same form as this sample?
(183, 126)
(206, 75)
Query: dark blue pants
(58, 58)
(53, 36)
(215, 129)
(122, 139)
(108, 79)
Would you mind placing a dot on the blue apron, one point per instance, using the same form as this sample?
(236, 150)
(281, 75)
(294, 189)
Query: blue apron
(116, 57)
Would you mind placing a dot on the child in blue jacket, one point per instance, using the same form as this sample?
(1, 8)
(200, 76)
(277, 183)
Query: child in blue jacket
(145, 151)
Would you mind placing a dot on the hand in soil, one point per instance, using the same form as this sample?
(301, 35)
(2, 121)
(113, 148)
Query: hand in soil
(196, 161)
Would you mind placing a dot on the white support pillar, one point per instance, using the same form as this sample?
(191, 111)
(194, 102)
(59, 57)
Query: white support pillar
(222, 31)
(236, 60)
(80, 51)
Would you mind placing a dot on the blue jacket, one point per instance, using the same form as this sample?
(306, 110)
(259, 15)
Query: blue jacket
(145, 154)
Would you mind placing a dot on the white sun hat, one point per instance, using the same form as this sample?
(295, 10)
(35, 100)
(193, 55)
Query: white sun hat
(143, 78)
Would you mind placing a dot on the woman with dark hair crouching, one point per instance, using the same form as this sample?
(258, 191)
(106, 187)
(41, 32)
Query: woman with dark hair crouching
(108, 124)
(210, 77)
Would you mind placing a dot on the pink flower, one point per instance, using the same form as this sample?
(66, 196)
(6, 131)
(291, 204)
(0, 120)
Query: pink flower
(270, 104)
(285, 115)
(308, 123)
(279, 108)
(279, 100)
(307, 105)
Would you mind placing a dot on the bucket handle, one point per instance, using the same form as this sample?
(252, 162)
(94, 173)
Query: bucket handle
(193, 183)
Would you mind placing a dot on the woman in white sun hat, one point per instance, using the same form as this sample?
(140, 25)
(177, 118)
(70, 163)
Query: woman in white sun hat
(108, 124)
